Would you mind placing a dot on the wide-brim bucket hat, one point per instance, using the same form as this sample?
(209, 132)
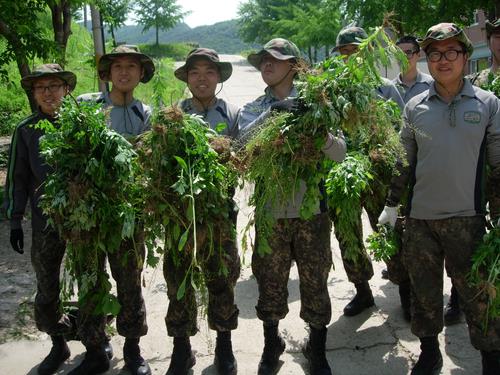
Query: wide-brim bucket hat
(49, 70)
(279, 48)
(225, 68)
(126, 50)
(350, 35)
(444, 31)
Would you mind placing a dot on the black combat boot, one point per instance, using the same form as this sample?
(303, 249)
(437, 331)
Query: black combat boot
(491, 362)
(361, 301)
(96, 361)
(182, 357)
(430, 360)
(274, 346)
(314, 351)
(452, 312)
(133, 359)
(56, 357)
(404, 297)
(224, 359)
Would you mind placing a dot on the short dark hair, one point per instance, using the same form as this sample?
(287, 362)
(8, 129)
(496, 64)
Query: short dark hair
(409, 39)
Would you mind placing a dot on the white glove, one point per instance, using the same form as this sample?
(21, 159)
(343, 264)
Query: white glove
(388, 216)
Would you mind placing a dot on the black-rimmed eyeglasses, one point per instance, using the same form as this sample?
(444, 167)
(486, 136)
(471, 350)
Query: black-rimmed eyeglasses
(450, 55)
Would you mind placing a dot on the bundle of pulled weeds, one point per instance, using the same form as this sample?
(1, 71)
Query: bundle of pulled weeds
(338, 97)
(88, 197)
(186, 182)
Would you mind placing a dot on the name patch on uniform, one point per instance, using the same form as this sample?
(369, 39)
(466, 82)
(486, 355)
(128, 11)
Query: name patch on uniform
(473, 117)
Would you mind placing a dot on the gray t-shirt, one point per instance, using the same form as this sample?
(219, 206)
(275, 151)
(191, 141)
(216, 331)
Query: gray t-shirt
(447, 147)
(130, 120)
(422, 82)
(389, 92)
(219, 112)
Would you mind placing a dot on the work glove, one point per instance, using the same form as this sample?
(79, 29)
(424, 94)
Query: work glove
(388, 216)
(17, 240)
(294, 105)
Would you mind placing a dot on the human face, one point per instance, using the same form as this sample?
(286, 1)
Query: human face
(348, 49)
(274, 71)
(447, 73)
(411, 53)
(202, 79)
(125, 73)
(48, 93)
(494, 44)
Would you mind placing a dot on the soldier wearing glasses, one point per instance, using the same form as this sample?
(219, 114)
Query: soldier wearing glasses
(26, 175)
(450, 133)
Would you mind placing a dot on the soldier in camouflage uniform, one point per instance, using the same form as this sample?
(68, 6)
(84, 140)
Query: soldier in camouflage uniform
(26, 175)
(451, 131)
(307, 242)
(202, 72)
(357, 263)
(485, 76)
(125, 67)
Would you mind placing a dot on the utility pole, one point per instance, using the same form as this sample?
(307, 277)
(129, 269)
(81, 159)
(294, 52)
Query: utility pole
(97, 33)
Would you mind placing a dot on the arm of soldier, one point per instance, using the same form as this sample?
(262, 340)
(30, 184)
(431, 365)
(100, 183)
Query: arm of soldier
(18, 179)
(250, 117)
(234, 117)
(335, 147)
(399, 180)
(147, 119)
(493, 154)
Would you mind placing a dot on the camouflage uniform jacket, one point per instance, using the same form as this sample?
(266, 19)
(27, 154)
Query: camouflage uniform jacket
(26, 173)
(447, 147)
(482, 78)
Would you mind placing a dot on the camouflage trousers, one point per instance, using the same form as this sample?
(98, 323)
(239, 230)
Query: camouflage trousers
(222, 312)
(47, 253)
(308, 243)
(357, 263)
(126, 268)
(429, 244)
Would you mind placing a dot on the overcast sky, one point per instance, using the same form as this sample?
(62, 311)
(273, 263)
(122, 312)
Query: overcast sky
(208, 12)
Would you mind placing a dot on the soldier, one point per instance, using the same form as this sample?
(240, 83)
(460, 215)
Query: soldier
(485, 76)
(125, 66)
(450, 131)
(360, 271)
(292, 238)
(202, 72)
(26, 175)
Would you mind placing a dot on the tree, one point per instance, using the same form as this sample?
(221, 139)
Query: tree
(114, 14)
(416, 16)
(160, 14)
(61, 24)
(25, 36)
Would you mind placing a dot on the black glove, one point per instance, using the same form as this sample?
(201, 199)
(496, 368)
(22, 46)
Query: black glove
(294, 105)
(17, 240)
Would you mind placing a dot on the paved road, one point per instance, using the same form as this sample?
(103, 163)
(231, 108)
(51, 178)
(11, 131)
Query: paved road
(377, 342)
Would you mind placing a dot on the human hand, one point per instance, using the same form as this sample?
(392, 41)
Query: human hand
(388, 216)
(17, 240)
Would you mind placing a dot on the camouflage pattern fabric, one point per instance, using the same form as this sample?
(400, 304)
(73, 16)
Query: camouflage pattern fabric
(126, 268)
(222, 312)
(47, 254)
(482, 78)
(308, 243)
(443, 31)
(350, 35)
(429, 243)
(279, 48)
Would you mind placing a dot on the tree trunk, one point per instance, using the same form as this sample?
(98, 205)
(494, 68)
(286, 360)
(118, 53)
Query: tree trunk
(61, 23)
(85, 16)
(112, 31)
(157, 33)
(309, 53)
(24, 70)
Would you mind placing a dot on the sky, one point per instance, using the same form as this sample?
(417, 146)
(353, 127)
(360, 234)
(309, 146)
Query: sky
(208, 12)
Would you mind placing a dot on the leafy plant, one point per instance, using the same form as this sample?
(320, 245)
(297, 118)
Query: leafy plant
(383, 243)
(185, 189)
(88, 197)
(493, 84)
(286, 151)
(485, 272)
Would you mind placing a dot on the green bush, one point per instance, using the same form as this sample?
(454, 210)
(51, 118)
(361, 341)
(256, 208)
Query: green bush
(176, 51)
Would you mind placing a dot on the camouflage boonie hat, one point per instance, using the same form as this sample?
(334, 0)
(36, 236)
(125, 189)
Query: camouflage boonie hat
(350, 35)
(279, 48)
(443, 31)
(49, 70)
(491, 27)
(125, 50)
(225, 68)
